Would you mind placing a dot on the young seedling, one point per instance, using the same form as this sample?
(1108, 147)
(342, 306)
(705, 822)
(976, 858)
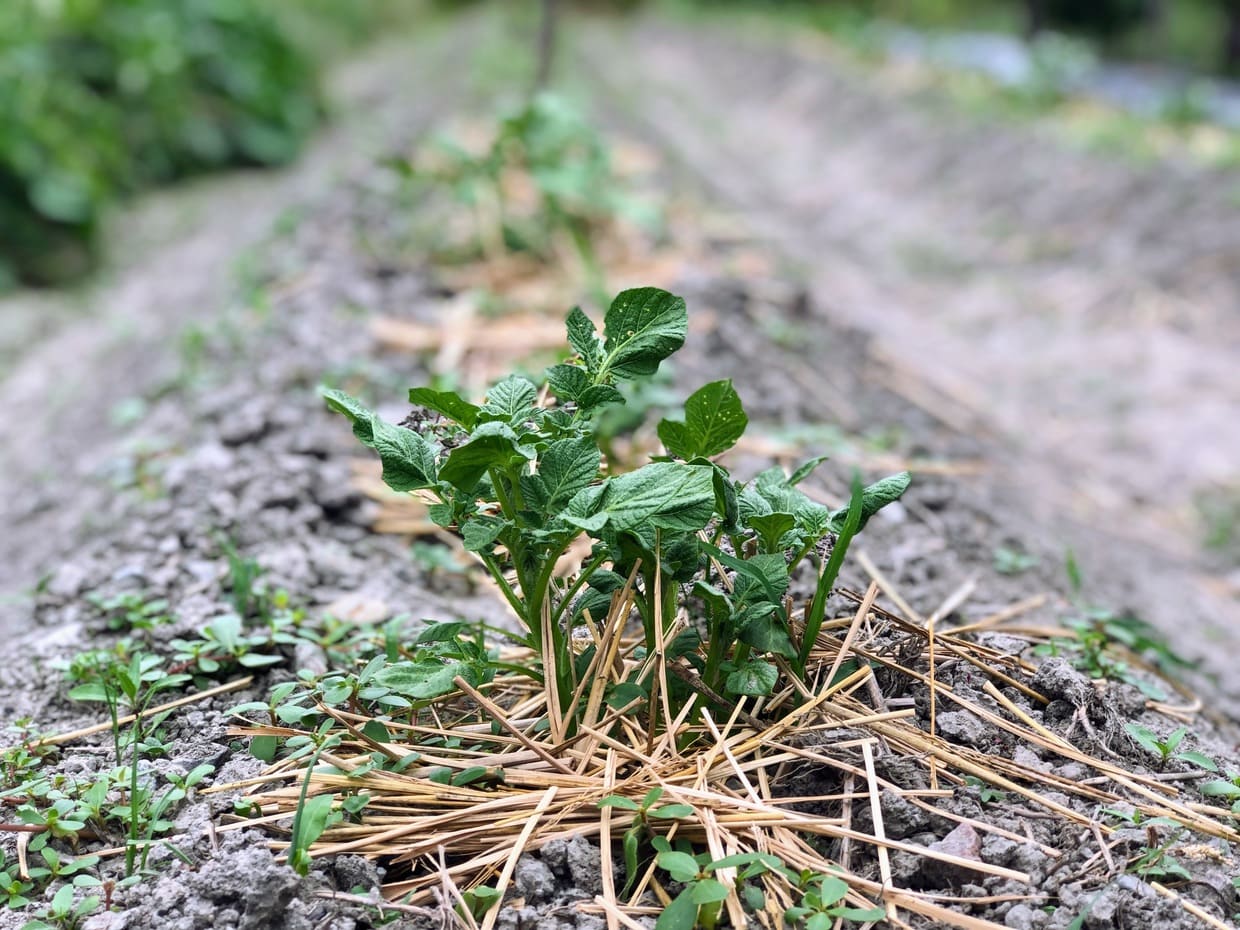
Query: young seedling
(822, 906)
(64, 913)
(1165, 749)
(641, 828)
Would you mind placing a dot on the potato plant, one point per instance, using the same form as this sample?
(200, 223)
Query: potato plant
(520, 477)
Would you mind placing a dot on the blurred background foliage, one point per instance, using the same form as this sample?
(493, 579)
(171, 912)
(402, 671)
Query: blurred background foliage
(99, 98)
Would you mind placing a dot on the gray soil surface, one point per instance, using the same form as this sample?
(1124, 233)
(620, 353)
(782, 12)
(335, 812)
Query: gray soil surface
(1075, 311)
(989, 295)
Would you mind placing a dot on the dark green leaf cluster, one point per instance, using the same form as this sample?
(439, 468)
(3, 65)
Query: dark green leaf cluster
(98, 98)
(520, 480)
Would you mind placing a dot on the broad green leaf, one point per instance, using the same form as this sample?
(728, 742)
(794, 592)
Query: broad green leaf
(493, 444)
(661, 495)
(599, 395)
(771, 528)
(642, 327)
(1146, 738)
(583, 337)
(449, 403)
(478, 533)
(511, 400)
(264, 748)
(1220, 788)
(681, 914)
(755, 678)
(708, 891)
(408, 459)
(566, 467)
(764, 630)
(714, 421)
(681, 866)
(568, 382)
(874, 498)
(423, 679)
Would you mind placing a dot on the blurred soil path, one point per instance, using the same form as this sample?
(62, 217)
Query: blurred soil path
(1078, 311)
(67, 359)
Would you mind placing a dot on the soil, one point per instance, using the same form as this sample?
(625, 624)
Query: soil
(970, 298)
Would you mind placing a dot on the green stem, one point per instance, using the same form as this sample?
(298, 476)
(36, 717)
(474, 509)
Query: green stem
(582, 577)
(505, 588)
(501, 494)
(826, 581)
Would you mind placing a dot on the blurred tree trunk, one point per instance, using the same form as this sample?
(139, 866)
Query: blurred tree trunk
(546, 43)
(1035, 17)
(1231, 42)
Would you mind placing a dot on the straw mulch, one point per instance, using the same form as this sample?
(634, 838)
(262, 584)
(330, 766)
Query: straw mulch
(540, 783)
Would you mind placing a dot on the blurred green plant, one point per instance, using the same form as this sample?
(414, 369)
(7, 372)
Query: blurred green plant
(101, 97)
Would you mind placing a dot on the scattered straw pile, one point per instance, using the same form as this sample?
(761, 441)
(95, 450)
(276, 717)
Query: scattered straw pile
(540, 784)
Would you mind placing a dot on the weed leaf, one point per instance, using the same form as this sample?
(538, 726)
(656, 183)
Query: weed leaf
(755, 677)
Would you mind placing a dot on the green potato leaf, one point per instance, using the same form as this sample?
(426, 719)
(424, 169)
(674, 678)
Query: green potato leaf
(714, 420)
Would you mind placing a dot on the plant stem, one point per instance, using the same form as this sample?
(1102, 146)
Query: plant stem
(831, 571)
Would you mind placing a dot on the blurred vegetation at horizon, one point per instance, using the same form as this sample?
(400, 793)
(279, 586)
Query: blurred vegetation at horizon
(100, 98)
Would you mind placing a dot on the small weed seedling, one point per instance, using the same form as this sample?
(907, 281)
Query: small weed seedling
(641, 829)
(64, 912)
(520, 479)
(1165, 749)
(700, 903)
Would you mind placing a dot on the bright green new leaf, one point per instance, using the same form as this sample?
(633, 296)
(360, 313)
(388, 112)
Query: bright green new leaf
(449, 403)
(714, 421)
(492, 445)
(771, 528)
(642, 327)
